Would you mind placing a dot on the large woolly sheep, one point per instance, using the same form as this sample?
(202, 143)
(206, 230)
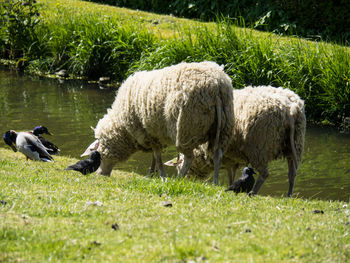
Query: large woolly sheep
(183, 105)
(270, 123)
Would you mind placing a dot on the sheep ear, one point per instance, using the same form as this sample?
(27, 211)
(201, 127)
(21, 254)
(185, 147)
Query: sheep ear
(92, 147)
(173, 162)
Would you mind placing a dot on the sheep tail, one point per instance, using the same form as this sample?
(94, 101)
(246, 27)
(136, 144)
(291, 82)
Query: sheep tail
(292, 140)
(216, 147)
(218, 126)
(297, 132)
(224, 118)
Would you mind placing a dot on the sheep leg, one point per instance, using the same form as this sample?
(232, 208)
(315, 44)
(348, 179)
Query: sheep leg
(105, 168)
(152, 169)
(260, 181)
(158, 161)
(217, 163)
(186, 164)
(292, 172)
(231, 174)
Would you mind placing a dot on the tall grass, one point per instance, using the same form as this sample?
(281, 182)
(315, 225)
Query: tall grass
(91, 40)
(318, 72)
(92, 46)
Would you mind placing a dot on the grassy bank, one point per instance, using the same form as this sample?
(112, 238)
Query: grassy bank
(91, 40)
(48, 214)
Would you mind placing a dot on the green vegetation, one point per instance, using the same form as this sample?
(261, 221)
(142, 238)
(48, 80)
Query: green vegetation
(309, 18)
(91, 40)
(18, 21)
(49, 214)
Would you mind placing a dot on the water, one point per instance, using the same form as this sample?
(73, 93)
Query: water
(70, 108)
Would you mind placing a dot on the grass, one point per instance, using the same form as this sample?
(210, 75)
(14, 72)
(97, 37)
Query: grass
(62, 216)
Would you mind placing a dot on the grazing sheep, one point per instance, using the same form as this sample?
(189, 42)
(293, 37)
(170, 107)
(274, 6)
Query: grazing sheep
(270, 123)
(183, 105)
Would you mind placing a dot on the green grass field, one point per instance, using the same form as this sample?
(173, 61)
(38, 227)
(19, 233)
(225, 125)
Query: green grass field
(48, 214)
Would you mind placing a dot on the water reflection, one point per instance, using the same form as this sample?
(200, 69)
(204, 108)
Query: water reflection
(69, 109)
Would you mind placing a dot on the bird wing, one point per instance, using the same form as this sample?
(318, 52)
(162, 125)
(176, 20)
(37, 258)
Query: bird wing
(85, 166)
(235, 186)
(50, 147)
(77, 166)
(81, 166)
(32, 140)
(88, 166)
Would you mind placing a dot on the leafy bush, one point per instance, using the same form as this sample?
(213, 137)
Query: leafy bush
(326, 19)
(18, 21)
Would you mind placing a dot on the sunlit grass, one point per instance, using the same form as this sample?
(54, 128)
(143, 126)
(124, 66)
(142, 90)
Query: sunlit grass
(94, 40)
(49, 214)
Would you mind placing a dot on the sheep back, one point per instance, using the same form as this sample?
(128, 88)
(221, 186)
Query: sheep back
(264, 117)
(174, 105)
(263, 122)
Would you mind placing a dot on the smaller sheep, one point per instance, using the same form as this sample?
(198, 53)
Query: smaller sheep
(183, 105)
(270, 123)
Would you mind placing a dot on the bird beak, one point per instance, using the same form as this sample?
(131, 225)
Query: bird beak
(13, 148)
(49, 133)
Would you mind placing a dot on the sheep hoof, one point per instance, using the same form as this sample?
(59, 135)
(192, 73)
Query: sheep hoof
(151, 172)
(251, 194)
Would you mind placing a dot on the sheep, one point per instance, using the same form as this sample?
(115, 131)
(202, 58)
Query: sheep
(184, 105)
(270, 123)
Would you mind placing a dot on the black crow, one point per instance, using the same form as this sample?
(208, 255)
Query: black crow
(88, 165)
(245, 183)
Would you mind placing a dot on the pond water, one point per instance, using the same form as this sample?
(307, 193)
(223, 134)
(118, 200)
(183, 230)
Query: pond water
(69, 109)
